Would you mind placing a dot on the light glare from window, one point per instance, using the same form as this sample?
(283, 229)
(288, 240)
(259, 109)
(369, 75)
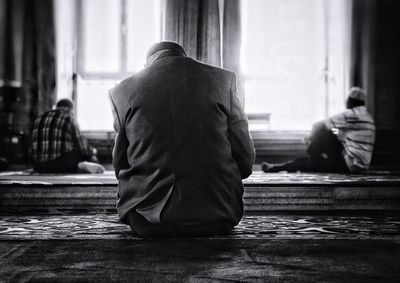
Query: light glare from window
(285, 57)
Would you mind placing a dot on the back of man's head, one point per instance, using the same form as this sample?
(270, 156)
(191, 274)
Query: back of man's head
(164, 48)
(65, 104)
(356, 97)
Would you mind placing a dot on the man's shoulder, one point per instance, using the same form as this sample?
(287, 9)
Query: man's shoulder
(139, 78)
(50, 114)
(357, 112)
(189, 65)
(46, 117)
(354, 115)
(46, 113)
(360, 110)
(363, 114)
(126, 85)
(212, 68)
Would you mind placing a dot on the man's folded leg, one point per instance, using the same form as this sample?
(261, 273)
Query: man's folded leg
(67, 163)
(70, 162)
(145, 229)
(303, 164)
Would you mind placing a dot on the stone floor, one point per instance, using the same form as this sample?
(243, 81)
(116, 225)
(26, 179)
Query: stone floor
(263, 192)
(103, 224)
(196, 260)
(28, 177)
(92, 246)
(52, 244)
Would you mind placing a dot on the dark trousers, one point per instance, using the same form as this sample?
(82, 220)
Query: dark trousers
(324, 154)
(67, 163)
(145, 229)
(3, 164)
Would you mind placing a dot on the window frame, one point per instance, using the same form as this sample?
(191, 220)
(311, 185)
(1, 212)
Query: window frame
(326, 75)
(123, 73)
(81, 43)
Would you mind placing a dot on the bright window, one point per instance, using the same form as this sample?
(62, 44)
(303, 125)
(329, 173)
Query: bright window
(294, 55)
(113, 38)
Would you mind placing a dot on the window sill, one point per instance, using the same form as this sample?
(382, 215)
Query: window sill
(256, 135)
(274, 146)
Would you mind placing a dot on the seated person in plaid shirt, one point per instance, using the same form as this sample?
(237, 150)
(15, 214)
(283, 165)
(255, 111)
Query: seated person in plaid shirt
(57, 144)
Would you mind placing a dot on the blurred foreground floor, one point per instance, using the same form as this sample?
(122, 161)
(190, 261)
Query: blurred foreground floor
(92, 246)
(64, 228)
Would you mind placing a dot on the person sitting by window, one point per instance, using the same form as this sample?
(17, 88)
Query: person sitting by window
(182, 147)
(57, 144)
(342, 143)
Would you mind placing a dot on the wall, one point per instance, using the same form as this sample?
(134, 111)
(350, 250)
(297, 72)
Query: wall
(386, 97)
(387, 64)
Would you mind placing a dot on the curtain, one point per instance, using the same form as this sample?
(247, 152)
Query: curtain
(362, 48)
(10, 43)
(209, 30)
(231, 30)
(29, 57)
(65, 15)
(195, 25)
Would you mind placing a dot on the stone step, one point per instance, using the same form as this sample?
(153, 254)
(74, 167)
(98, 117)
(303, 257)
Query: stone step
(263, 192)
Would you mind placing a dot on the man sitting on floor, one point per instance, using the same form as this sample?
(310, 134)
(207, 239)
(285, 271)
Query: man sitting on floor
(342, 143)
(182, 147)
(57, 144)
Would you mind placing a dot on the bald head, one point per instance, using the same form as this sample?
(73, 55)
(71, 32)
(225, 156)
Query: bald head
(162, 49)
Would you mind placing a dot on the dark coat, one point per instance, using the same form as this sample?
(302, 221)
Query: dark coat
(182, 144)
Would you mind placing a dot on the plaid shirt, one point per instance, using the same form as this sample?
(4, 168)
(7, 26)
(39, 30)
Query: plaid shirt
(54, 133)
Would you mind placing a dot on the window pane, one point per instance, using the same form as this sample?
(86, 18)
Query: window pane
(143, 30)
(102, 25)
(338, 53)
(283, 61)
(94, 109)
(65, 38)
(101, 35)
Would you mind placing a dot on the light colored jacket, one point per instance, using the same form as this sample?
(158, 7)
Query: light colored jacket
(357, 135)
